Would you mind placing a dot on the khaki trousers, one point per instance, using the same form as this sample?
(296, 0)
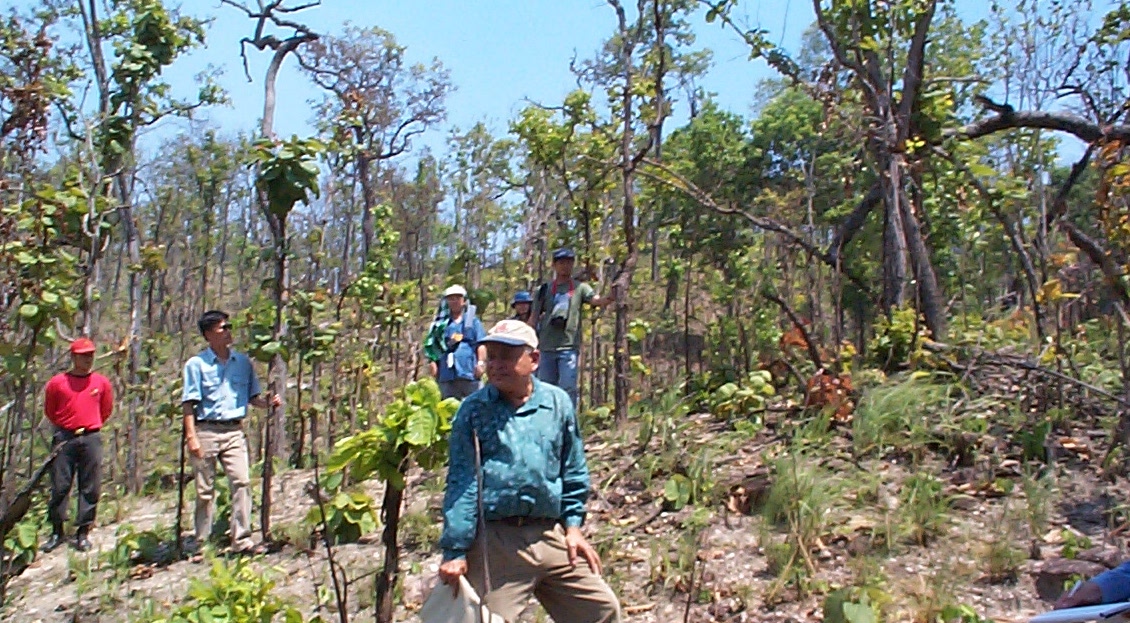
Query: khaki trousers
(226, 444)
(533, 559)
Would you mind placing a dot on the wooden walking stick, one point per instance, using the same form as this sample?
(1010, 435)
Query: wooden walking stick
(180, 491)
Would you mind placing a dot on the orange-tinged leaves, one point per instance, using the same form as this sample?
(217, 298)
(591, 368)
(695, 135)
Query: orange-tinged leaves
(832, 392)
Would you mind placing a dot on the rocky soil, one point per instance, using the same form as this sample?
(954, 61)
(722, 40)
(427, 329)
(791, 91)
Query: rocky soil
(718, 558)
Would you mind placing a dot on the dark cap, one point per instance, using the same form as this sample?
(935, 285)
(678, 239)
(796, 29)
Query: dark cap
(564, 253)
(521, 297)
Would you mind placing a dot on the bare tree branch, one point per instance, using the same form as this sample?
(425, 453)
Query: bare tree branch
(1099, 255)
(854, 222)
(675, 180)
(1006, 119)
(813, 353)
(912, 76)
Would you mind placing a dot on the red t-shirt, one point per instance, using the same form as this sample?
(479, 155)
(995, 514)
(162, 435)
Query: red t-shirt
(73, 402)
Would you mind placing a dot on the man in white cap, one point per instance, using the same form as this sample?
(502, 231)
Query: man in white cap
(457, 363)
(519, 437)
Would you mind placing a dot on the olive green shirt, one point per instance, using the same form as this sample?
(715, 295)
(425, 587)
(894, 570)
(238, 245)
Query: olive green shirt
(551, 338)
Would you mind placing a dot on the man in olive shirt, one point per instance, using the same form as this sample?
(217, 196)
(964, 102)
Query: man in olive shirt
(557, 317)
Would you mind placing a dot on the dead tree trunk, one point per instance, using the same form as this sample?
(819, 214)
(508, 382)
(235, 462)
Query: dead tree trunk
(275, 433)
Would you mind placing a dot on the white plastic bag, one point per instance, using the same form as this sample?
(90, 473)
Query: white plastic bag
(464, 607)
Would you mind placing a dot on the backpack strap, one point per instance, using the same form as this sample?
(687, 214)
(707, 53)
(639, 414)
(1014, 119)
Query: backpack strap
(543, 295)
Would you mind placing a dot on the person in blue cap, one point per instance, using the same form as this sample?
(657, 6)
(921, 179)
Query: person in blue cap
(521, 306)
(557, 317)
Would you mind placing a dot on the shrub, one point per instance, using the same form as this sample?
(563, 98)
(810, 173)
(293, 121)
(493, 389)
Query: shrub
(897, 338)
(233, 593)
(348, 516)
(924, 507)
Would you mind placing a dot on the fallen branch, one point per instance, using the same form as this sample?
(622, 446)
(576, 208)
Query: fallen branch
(1016, 361)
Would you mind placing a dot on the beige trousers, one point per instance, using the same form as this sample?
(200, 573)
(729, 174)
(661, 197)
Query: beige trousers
(227, 445)
(533, 560)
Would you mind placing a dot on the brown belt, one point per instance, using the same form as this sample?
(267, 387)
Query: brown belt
(518, 522)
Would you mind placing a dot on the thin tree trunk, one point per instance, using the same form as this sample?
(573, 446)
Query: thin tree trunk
(133, 245)
(367, 201)
(387, 578)
(894, 240)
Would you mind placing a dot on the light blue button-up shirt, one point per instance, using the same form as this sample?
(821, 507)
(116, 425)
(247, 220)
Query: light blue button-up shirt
(221, 390)
(533, 463)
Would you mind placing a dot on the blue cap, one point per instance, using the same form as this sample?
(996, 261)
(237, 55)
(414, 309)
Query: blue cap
(563, 253)
(521, 297)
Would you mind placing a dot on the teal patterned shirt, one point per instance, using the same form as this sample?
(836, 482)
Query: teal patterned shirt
(533, 464)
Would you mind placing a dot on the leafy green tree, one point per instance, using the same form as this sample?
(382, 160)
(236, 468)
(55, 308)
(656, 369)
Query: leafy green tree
(413, 429)
(479, 176)
(287, 173)
(376, 103)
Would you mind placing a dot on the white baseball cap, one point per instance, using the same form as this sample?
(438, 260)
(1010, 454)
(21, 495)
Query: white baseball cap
(455, 290)
(512, 333)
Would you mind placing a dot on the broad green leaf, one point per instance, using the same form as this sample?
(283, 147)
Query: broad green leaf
(859, 613)
(676, 492)
(421, 428)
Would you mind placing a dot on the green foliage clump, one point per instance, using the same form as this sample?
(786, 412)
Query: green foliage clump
(233, 593)
(416, 424)
(800, 497)
(855, 604)
(288, 171)
(742, 399)
(1073, 543)
(133, 545)
(799, 501)
(961, 613)
(898, 416)
(693, 486)
(348, 516)
(898, 339)
(20, 544)
(924, 506)
(1033, 441)
(1003, 560)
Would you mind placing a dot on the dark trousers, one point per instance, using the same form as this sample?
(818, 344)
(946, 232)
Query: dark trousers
(458, 388)
(82, 456)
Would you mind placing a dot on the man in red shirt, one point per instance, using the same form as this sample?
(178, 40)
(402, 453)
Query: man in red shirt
(78, 402)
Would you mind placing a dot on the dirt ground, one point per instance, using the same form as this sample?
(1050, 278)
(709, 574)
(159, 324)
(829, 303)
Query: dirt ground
(651, 561)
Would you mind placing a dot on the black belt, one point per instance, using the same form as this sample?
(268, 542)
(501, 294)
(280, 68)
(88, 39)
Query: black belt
(225, 423)
(78, 432)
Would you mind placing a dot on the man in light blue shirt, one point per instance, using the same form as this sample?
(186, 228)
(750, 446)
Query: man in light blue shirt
(219, 384)
(535, 483)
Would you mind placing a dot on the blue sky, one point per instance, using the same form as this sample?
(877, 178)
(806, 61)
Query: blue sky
(501, 53)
